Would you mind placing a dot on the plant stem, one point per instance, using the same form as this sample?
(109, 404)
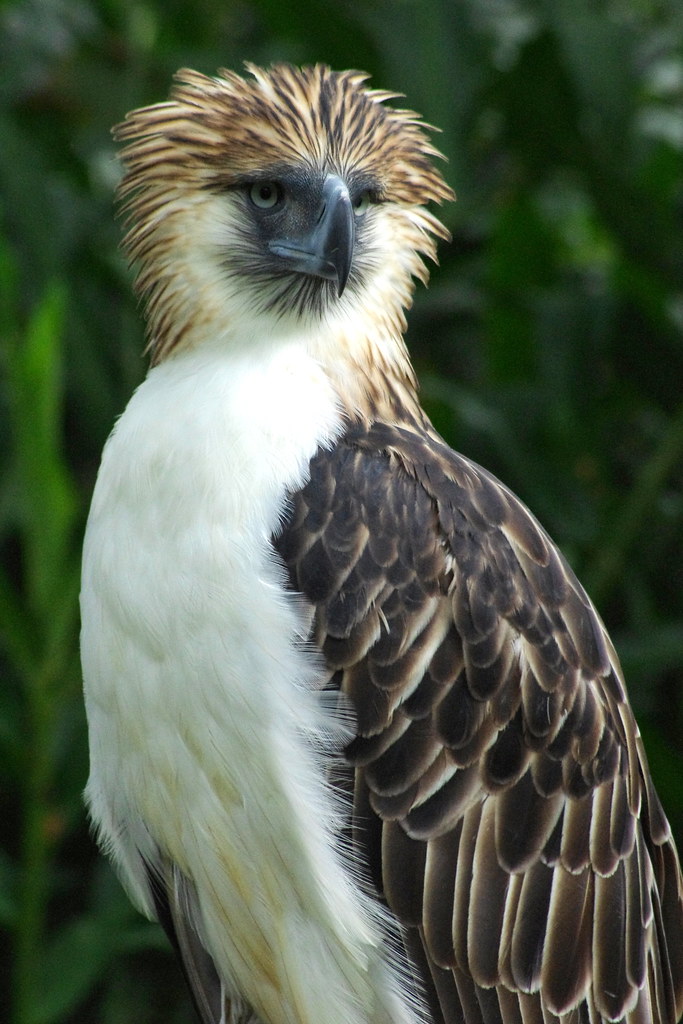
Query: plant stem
(33, 891)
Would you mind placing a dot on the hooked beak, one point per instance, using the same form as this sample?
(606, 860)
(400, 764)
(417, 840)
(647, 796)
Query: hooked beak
(327, 249)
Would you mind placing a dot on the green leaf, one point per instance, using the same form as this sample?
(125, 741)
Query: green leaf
(597, 58)
(74, 963)
(8, 901)
(48, 501)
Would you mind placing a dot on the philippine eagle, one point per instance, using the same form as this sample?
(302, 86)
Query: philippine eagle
(358, 738)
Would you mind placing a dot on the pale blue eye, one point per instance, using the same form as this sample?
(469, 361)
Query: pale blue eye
(362, 203)
(265, 194)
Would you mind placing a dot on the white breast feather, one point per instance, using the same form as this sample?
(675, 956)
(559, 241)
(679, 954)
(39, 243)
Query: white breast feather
(201, 702)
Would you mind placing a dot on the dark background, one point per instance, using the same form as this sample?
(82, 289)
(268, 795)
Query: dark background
(549, 345)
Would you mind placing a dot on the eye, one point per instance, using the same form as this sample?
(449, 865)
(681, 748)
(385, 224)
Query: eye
(361, 203)
(265, 194)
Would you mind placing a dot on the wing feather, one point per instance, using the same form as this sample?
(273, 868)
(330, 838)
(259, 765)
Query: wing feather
(502, 800)
(403, 878)
(489, 883)
(439, 896)
(528, 933)
(177, 910)
(566, 964)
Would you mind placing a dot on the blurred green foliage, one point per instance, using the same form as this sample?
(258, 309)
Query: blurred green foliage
(550, 347)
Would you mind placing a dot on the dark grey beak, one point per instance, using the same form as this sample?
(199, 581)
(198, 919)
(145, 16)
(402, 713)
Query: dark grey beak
(327, 249)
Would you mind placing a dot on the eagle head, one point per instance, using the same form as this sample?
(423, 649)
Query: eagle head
(287, 193)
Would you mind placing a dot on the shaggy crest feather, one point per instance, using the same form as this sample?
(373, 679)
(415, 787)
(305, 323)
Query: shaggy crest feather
(216, 129)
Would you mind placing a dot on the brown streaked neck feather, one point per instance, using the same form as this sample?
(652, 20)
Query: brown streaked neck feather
(376, 382)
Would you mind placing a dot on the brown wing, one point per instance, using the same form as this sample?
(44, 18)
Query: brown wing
(502, 799)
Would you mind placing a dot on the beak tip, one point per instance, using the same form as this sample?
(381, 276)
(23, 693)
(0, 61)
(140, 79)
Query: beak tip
(342, 280)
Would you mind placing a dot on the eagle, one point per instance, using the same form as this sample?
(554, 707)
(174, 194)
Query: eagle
(359, 740)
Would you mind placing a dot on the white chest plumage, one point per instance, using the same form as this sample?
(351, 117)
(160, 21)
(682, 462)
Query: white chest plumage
(199, 698)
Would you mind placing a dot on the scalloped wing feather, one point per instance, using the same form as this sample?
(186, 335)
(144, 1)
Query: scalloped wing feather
(503, 801)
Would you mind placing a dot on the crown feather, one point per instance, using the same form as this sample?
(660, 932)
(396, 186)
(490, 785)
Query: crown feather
(215, 130)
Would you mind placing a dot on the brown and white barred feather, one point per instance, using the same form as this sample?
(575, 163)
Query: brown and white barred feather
(501, 796)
